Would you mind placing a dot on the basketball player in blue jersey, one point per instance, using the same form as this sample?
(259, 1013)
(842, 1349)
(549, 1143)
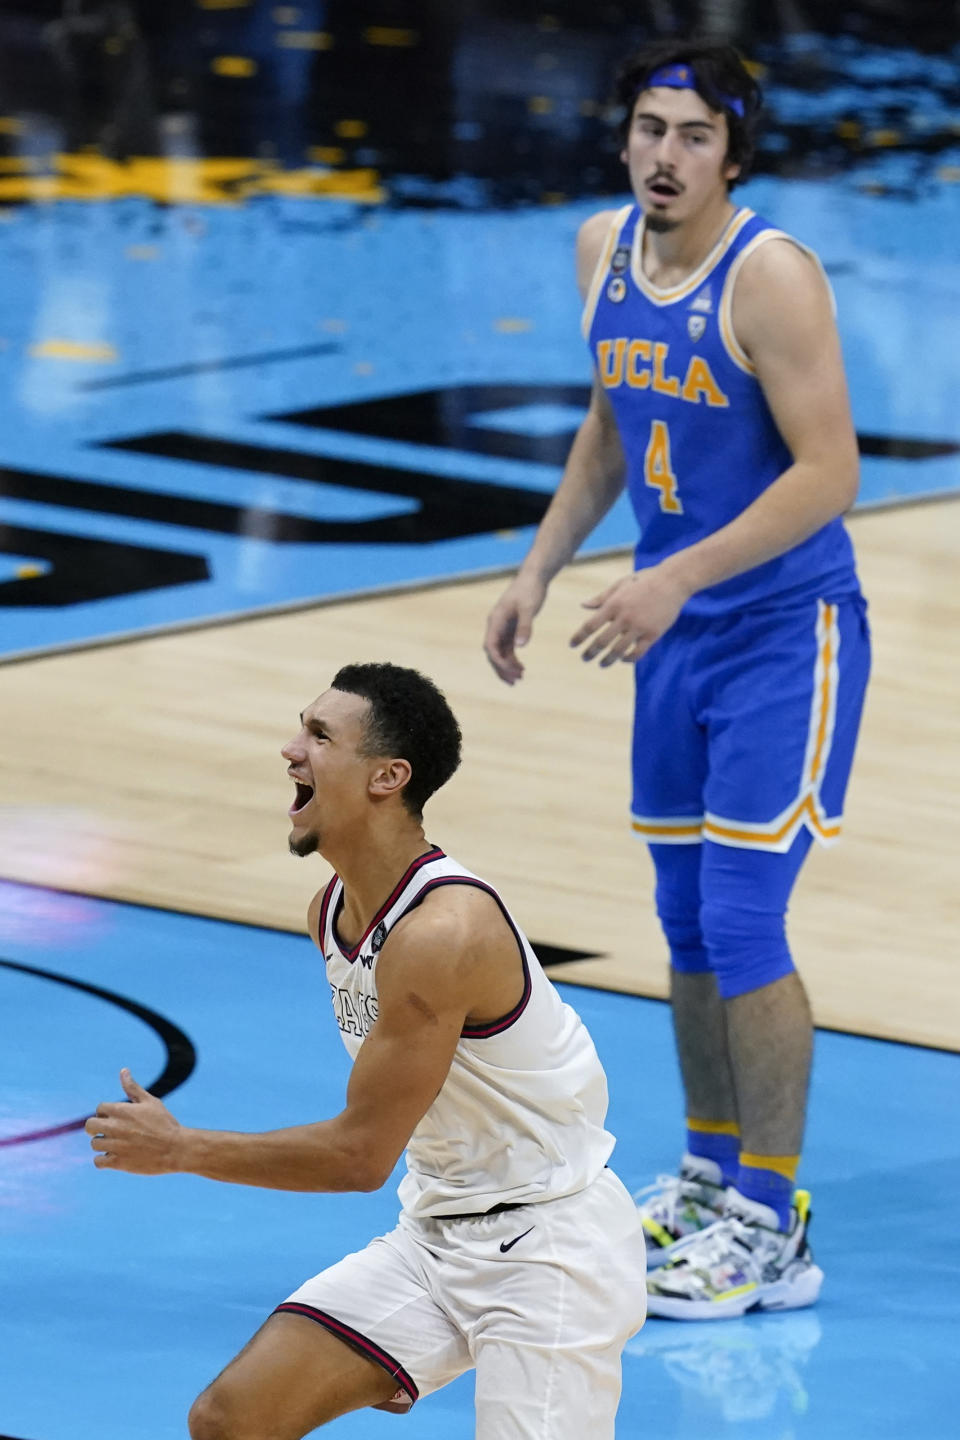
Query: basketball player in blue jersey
(720, 403)
(519, 1253)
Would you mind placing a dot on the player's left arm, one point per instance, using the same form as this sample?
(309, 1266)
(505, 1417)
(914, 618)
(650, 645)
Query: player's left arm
(783, 320)
(425, 995)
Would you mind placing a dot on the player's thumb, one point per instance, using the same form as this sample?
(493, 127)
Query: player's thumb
(132, 1090)
(524, 628)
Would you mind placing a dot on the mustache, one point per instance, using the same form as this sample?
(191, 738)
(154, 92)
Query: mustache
(665, 175)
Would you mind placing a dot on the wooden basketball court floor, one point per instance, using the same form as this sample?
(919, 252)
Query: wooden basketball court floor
(145, 772)
(150, 771)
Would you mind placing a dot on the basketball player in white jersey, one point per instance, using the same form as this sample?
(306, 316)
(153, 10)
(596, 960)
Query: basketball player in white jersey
(518, 1252)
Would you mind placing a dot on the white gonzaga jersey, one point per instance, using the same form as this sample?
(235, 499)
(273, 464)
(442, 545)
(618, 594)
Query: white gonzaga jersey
(520, 1117)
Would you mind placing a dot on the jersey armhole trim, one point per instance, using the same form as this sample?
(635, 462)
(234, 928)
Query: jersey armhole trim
(324, 911)
(351, 952)
(602, 266)
(725, 316)
(489, 1027)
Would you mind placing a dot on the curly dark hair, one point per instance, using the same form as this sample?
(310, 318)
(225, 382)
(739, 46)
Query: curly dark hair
(719, 75)
(410, 720)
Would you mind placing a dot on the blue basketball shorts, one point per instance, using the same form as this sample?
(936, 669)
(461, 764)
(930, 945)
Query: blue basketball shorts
(745, 726)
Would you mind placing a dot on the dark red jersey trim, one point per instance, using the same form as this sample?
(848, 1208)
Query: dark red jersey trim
(324, 907)
(491, 1027)
(435, 853)
(353, 1337)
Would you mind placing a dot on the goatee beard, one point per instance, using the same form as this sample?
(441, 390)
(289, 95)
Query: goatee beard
(306, 845)
(660, 224)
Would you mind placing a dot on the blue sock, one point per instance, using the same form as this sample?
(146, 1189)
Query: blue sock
(769, 1180)
(716, 1140)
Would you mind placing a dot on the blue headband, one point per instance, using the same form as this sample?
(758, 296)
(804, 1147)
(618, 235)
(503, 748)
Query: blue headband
(680, 77)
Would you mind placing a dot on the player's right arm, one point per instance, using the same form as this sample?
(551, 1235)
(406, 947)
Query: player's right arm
(592, 480)
(451, 959)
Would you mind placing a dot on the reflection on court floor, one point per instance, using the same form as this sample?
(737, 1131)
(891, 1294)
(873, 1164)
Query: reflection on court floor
(147, 1286)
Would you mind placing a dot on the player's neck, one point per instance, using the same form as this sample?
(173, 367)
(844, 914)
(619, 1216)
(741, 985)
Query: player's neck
(370, 867)
(669, 256)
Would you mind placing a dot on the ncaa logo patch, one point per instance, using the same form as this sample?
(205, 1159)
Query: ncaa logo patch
(621, 259)
(378, 937)
(696, 324)
(616, 289)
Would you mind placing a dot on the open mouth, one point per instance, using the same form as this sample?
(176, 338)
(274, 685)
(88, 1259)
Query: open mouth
(302, 797)
(663, 189)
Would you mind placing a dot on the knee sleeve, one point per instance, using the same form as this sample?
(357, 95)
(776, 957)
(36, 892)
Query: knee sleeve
(743, 913)
(746, 949)
(678, 904)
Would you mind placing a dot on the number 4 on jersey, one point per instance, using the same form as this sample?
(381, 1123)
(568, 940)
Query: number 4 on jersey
(657, 471)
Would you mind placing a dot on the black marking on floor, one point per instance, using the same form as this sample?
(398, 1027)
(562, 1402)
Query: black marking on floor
(450, 507)
(84, 567)
(561, 954)
(207, 367)
(180, 1061)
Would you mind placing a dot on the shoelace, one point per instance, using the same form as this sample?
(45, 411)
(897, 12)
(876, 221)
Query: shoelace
(669, 1187)
(669, 1191)
(713, 1243)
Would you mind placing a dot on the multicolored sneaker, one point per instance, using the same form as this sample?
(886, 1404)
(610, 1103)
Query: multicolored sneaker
(676, 1206)
(742, 1262)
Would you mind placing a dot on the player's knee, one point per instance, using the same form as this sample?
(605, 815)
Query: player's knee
(207, 1419)
(678, 910)
(680, 924)
(212, 1417)
(747, 949)
(687, 950)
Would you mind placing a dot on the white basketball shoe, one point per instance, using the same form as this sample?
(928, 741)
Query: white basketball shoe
(742, 1262)
(676, 1206)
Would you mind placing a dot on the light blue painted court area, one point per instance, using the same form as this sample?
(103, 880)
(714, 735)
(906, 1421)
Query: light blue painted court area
(219, 410)
(123, 1296)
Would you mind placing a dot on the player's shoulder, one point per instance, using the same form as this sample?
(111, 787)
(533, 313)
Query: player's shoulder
(459, 909)
(593, 234)
(781, 286)
(783, 303)
(458, 920)
(592, 238)
(596, 227)
(457, 941)
(779, 262)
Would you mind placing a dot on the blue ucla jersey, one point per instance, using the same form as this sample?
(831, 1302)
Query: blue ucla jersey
(698, 435)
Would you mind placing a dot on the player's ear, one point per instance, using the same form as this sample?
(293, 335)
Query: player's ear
(730, 172)
(390, 777)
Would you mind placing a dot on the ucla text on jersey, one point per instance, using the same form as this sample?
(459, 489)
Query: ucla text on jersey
(700, 441)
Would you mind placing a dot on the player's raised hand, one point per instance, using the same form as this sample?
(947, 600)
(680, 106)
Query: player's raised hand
(510, 625)
(137, 1134)
(630, 616)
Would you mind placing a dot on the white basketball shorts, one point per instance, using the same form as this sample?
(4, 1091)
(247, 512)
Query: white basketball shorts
(540, 1300)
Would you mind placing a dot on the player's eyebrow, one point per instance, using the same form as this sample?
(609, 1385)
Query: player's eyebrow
(683, 125)
(314, 723)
